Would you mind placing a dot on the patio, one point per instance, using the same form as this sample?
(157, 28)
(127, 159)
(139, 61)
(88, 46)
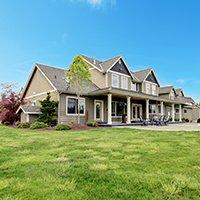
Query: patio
(170, 127)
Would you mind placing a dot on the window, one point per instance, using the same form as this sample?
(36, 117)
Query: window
(72, 105)
(177, 110)
(33, 103)
(133, 86)
(154, 89)
(113, 109)
(159, 108)
(185, 111)
(152, 108)
(124, 82)
(148, 88)
(115, 80)
(118, 108)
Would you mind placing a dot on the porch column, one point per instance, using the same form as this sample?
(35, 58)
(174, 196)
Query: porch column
(109, 109)
(173, 113)
(128, 110)
(162, 108)
(180, 113)
(147, 109)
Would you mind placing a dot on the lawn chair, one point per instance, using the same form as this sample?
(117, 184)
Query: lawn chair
(144, 121)
(166, 120)
(160, 120)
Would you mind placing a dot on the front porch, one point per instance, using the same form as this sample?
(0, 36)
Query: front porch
(114, 109)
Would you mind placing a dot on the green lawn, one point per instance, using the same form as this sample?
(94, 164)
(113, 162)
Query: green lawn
(99, 164)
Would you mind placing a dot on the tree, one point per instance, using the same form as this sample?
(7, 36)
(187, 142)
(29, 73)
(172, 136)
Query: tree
(78, 75)
(48, 110)
(9, 103)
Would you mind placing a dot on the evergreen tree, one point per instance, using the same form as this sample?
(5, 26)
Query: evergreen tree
(48, 110)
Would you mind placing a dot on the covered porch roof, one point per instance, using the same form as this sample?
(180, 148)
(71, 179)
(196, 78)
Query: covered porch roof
(34, 110)
(133, 94)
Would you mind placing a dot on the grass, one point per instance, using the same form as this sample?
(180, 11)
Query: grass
(99, 164)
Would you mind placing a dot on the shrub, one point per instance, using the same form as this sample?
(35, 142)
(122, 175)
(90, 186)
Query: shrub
(24, 125)
(187, 120)
(62, 127)
(92, 123)
(38, 125)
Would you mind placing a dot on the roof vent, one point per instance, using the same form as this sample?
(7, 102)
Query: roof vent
(55, 77)
(94, 61)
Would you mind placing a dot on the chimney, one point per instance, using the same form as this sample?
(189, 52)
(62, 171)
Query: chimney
(94, 61)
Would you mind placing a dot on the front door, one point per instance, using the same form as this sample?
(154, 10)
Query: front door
(136, 111)
(98, 110)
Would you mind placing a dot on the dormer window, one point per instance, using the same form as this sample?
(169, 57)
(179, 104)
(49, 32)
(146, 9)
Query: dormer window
(124, 82)
(115, 80)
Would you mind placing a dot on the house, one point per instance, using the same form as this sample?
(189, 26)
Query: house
(114, 92)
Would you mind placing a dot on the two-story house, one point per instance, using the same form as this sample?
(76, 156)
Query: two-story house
(114, 91)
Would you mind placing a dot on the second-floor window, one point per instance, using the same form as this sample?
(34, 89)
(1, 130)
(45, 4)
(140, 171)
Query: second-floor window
(115, 80)
(148, 88)
(124, 82)
(154, 92)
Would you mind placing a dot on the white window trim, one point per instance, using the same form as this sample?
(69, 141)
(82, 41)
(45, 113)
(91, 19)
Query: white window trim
(117, 116)
(118, 73)
(151, 82)
(151, 113)
(118, 80)
(122, 86)
(102, 102)
(74, 97)
(141, 110)
(148, 91)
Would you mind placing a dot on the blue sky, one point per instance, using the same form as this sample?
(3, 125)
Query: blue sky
(162, 34)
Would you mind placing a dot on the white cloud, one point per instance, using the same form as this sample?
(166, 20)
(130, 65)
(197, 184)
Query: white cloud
(181, 81)
(95, 2)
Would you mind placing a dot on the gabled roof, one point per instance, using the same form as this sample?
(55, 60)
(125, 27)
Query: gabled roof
(92, 61)
(57, 78)
(166, 89)
(179, 91)
(107, 64)
(143, 74)
(29, 109)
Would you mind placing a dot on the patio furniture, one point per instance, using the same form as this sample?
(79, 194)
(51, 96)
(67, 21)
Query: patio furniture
(144, 122)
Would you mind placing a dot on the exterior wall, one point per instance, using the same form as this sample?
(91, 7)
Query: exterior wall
(32, 118)
(188, 114)
(37, 99)
(166, 96)
(23, 117)
(195, 114)
(67, 119)
(38, 84)
(98, 78)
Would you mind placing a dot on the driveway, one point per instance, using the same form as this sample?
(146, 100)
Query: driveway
(170, 127)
